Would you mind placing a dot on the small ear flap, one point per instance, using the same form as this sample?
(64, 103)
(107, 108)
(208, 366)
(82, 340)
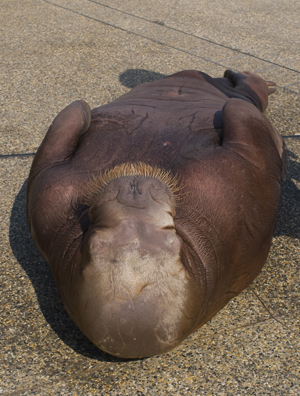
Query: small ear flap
(63, 135)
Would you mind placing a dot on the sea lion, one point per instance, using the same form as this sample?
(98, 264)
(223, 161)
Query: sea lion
(153, 211)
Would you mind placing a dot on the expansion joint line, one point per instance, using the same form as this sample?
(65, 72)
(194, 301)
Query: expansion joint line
(269, 312)
(194, 36)
(170, 28)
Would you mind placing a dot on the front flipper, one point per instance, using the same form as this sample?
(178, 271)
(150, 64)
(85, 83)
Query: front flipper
(63, 135)
(52, 188)
(247, 132)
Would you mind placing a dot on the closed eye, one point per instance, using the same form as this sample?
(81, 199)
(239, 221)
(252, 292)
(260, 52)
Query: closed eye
(169, 227)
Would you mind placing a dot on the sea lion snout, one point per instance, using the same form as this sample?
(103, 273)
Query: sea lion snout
(134, 296)
(131, 199)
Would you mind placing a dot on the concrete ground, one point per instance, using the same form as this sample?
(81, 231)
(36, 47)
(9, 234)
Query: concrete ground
(56, 51)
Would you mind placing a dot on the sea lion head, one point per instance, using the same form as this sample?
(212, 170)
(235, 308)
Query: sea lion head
(135, 296)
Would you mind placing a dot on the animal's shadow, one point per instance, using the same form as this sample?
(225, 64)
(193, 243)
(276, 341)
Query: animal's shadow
(288, 223)
(130, 78)
(288, 216)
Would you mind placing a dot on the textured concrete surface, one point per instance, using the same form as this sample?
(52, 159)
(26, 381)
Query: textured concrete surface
(53, 52)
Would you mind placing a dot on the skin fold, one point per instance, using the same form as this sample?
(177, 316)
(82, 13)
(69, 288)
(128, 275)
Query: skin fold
(153, 211)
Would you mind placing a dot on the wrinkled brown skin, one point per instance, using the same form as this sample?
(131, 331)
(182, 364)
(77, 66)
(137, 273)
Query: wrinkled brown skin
(229, 160)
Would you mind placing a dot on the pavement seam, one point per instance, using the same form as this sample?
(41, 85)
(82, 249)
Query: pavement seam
(134, 33)
(269, 311)
(16, 155)
(3, 156)
(168, 45)
(195, 36)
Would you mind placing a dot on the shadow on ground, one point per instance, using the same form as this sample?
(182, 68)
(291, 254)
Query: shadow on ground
(130, 78)
(288, 218)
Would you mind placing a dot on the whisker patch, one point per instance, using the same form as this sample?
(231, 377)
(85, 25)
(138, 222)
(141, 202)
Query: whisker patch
(102, 179)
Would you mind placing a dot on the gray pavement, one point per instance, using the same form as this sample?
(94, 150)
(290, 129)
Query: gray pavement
(54, 52)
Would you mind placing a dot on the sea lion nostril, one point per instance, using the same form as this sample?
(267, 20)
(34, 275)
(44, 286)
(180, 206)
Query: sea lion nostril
(134, 187)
